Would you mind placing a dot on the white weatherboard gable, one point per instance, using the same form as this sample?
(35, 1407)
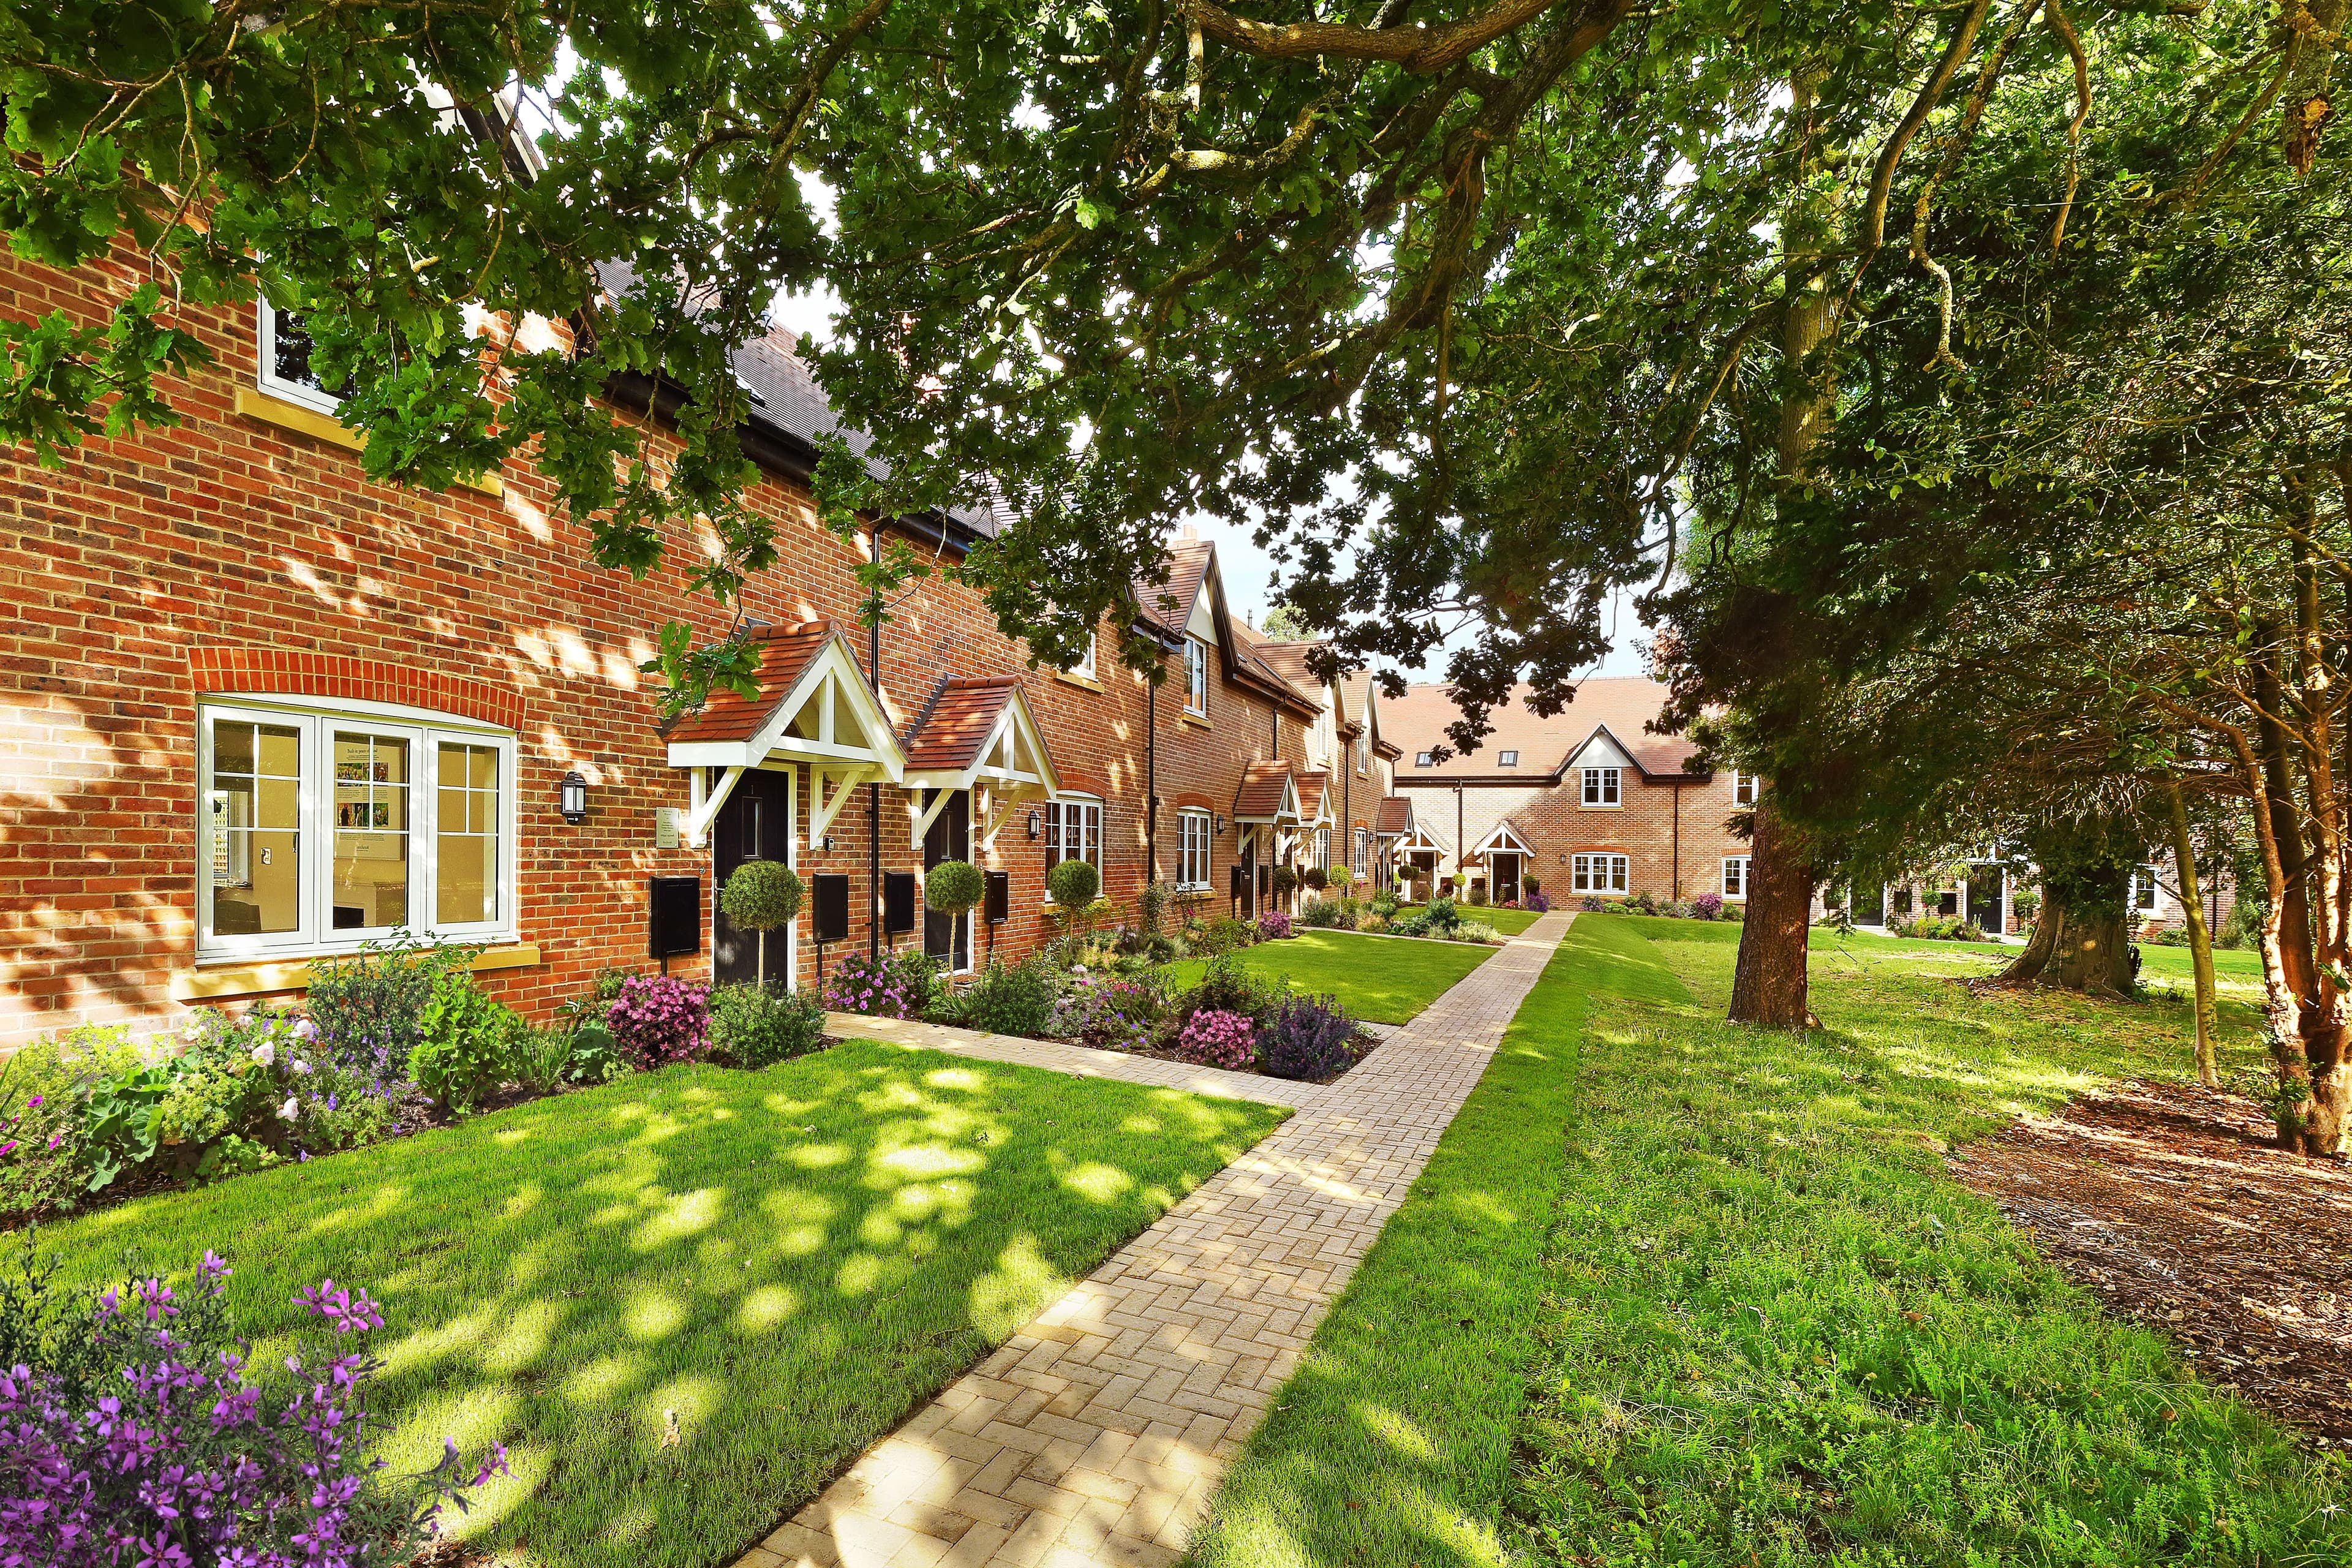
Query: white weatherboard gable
(1600, 752)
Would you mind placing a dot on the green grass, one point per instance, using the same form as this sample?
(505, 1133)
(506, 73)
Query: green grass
(790, 1260)
(1382, 980)
(1756, 1323)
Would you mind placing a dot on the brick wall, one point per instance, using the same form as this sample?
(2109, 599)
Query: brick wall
(231, 555)
(1674, 837)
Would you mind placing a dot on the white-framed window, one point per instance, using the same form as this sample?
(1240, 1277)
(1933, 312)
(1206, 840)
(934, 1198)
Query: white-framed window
(1323, 847)
(1598, 873)
(1507, 759)
(1196, 677)
(1421, 759)
(1603, 787)
(1086, 665)
(323, 828)
(1735, 875)
(2143, 888)
(1073, 832)
(1193, 849)
(1363, 753)
(1743, 788)
(1361, 863)
(284, 359)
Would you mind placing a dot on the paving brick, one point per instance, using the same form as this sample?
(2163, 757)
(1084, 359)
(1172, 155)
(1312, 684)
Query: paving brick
(1162, 1361)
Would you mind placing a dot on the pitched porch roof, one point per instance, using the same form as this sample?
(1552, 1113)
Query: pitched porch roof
(1394, 817)
(1268, 792)
(1315, 796)
(978, 732)
(1506, 838)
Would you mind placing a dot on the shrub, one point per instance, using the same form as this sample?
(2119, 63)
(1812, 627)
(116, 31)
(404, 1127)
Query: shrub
(1341, 876)
(1540, 902)
(369, 1007)
(1385, 904)
(1478, 896)
(1012, 999)
(1443, 915)
(889, 985)
(1305, 1038)
(1316, 877)
(1592, 904)
(471, 1043)
(1284, 880)
(657, 1020)
(1675, 909)
(1707, 907)
(135, 1432)
(1533, 884)
(1151, 906)
(1735, 913)
(754, 1027)
(1325, 914)
(1274, 926)
(1073, 884)
(1217, 1039)
(1416, 923)
(1475, 930)
(595, 1059)
(1108, 1014)
(1374, 922)
(1223, 934)
(1643, 903)
(44, 1156)
(953, 888)
(1226, 986)
(543, 1057)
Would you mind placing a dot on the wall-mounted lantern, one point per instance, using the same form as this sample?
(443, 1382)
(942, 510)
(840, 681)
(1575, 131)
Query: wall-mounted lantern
(1036, 823)
(1221, 825)
(571, 798)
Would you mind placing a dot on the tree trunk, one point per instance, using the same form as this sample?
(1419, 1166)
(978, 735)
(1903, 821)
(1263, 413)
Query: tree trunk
(1768, 986)
(2094, 954)
(2200, 941)
(2027, 967)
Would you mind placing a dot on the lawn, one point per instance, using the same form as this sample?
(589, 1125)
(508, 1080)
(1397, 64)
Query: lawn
(1377, 979)
(789, 1261)
(1673, 1291)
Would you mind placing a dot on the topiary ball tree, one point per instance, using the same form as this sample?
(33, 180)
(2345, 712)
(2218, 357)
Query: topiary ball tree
(1074, 884)
(762, 896)
(1316, 877)
(1284, 879)
(953, 888)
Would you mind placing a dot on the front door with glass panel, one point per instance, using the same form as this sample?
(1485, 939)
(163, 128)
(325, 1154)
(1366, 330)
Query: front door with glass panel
(947, 938)
(754, 823)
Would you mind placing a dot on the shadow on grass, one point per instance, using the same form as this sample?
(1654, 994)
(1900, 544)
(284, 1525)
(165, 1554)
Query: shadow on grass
(686, 1299)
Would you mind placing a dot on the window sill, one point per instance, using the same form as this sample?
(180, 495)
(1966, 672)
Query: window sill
(294, 974)
(256, 404)
(1073, 678)
(1589, 806)
(1195, 720)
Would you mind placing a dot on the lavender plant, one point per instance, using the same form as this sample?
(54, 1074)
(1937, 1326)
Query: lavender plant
(132, 1431)
(1305, 1038)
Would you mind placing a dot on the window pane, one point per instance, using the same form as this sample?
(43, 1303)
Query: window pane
(466, 839)
(255, 800)
(371, 829)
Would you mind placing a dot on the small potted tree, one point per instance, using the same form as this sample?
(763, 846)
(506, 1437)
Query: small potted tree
(762, 896)
(953, 889)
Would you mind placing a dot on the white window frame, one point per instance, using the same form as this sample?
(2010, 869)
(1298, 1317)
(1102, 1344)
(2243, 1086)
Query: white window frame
(1734, 877)
(1743, 788)
(1074, 825)
(1194, 851)
(266, 375)
(1604, 789)
(1196, 678)
(1363, 749)
(1507, 759)
(424, 731)
(1323, 848)
(1421, 759)
(1086, 665)
(2146, 893)
(1599, 871)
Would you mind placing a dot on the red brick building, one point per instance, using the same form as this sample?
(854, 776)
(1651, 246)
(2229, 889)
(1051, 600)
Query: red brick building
(259, 710)
(1586, 801)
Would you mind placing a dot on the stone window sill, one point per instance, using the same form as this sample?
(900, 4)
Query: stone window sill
(1194, 719)
(255, 403)
(1073, 678)
(294, 974)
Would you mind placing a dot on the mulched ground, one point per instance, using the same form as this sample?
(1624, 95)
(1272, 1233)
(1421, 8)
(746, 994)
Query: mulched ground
(2173, 1205)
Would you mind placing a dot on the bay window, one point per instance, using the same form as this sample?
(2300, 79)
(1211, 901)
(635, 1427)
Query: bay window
(318, 829)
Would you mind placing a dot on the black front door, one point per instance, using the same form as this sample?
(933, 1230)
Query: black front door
(1870, 904)
(1985, 902)
(947, 938)
(1507, 878)
(755, 823)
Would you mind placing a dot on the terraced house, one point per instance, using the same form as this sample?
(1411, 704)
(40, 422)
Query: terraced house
(260, 710)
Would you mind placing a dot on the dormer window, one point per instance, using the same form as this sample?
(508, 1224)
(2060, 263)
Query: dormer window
(1507, 759)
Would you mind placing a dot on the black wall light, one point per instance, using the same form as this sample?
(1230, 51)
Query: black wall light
(571, 798)
(1034, 824)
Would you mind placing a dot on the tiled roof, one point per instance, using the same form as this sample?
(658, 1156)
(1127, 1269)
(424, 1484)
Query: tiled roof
(784, 653)
(1311, 787)
(1355, 699)
(1395, 815)
(1252, 651)
(785, 392)
(958, 721)
(1288, 660)
(1260, 795)
(1624, 705)
(1188, 568)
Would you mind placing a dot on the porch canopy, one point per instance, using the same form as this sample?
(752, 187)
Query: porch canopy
(1314, 799)
(977, 733)
(810, 705)
(1504, 840)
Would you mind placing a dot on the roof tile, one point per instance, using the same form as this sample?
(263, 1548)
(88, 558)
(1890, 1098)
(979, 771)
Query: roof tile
(786, 652)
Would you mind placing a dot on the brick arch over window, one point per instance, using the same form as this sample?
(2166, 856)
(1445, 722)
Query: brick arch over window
(1190, 802)
(282, 672)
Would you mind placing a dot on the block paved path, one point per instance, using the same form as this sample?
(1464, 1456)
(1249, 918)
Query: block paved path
(1097, 1433)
